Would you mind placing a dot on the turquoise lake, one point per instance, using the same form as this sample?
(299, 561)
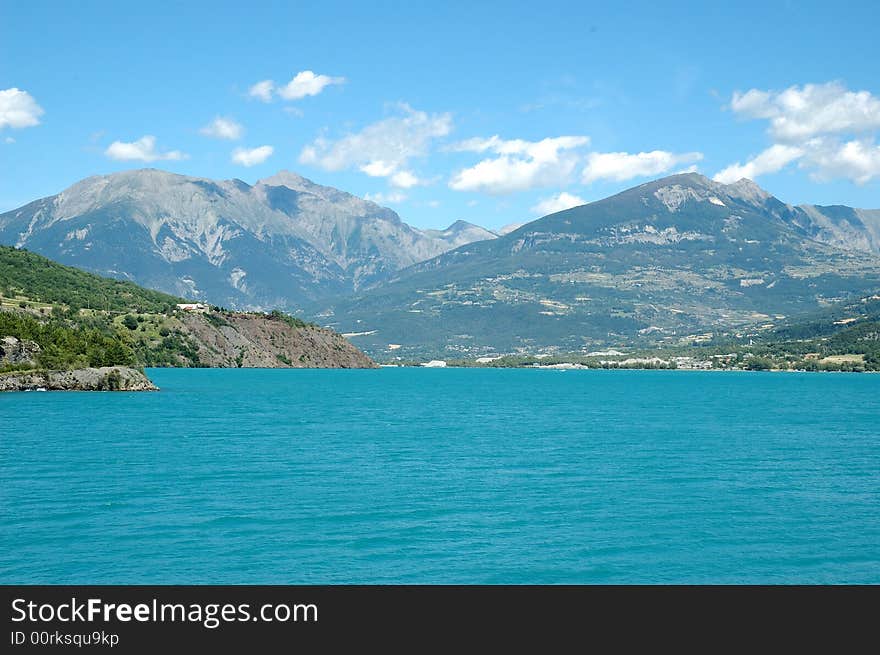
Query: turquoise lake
(445, 476)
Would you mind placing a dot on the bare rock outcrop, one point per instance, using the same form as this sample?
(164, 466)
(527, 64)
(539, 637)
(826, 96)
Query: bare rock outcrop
(108, 378)
(18, 351)
(231, 340)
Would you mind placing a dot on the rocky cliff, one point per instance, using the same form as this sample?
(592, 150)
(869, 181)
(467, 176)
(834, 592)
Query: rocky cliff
(229, 340)
(108, 378)
(16, 351)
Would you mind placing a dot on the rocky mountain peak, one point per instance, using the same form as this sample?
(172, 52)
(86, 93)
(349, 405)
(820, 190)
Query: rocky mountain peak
(291, 180)
(745, 189)
(460, 225)
(675, 190)
(460, 233)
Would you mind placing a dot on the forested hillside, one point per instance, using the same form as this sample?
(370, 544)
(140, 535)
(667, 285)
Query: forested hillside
(58, 317)
(41, 280)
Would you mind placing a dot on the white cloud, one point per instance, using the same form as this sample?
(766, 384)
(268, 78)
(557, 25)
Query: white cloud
(252, 156)
(621, 166)
(303, 84)
(382, 149)
(557, 203)
(9, 139)
(262, 90)
(754, 103)
(378, 168)
(800, 113)
(306, 83)
(18, 109)
(830, 130)
(393, 197)
(481, 144)
(520, 164)
(543, 148)
(771, 160)
(223, 128)
(404, 180)
(144, 149)
(856, 160)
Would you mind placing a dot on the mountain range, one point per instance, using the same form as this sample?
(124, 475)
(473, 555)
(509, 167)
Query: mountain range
(283, 242)
(676, 259)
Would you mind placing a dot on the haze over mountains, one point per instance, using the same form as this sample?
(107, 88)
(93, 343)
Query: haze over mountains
(679, 256)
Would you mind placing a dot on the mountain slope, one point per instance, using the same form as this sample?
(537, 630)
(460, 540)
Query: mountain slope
(279, 243)
(57, 317)
(34, 276)
(830, 320)
(673, 258)
(837, 225)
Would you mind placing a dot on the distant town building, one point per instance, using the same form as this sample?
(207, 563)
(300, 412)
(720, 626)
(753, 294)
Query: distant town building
(692, 363)
(198, 307)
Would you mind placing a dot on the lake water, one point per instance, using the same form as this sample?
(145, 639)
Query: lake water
(445, 476)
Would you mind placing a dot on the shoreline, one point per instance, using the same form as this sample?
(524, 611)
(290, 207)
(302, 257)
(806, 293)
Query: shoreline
(621, 368)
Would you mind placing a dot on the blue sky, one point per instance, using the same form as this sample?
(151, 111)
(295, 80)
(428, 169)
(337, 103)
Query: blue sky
(493, 112)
